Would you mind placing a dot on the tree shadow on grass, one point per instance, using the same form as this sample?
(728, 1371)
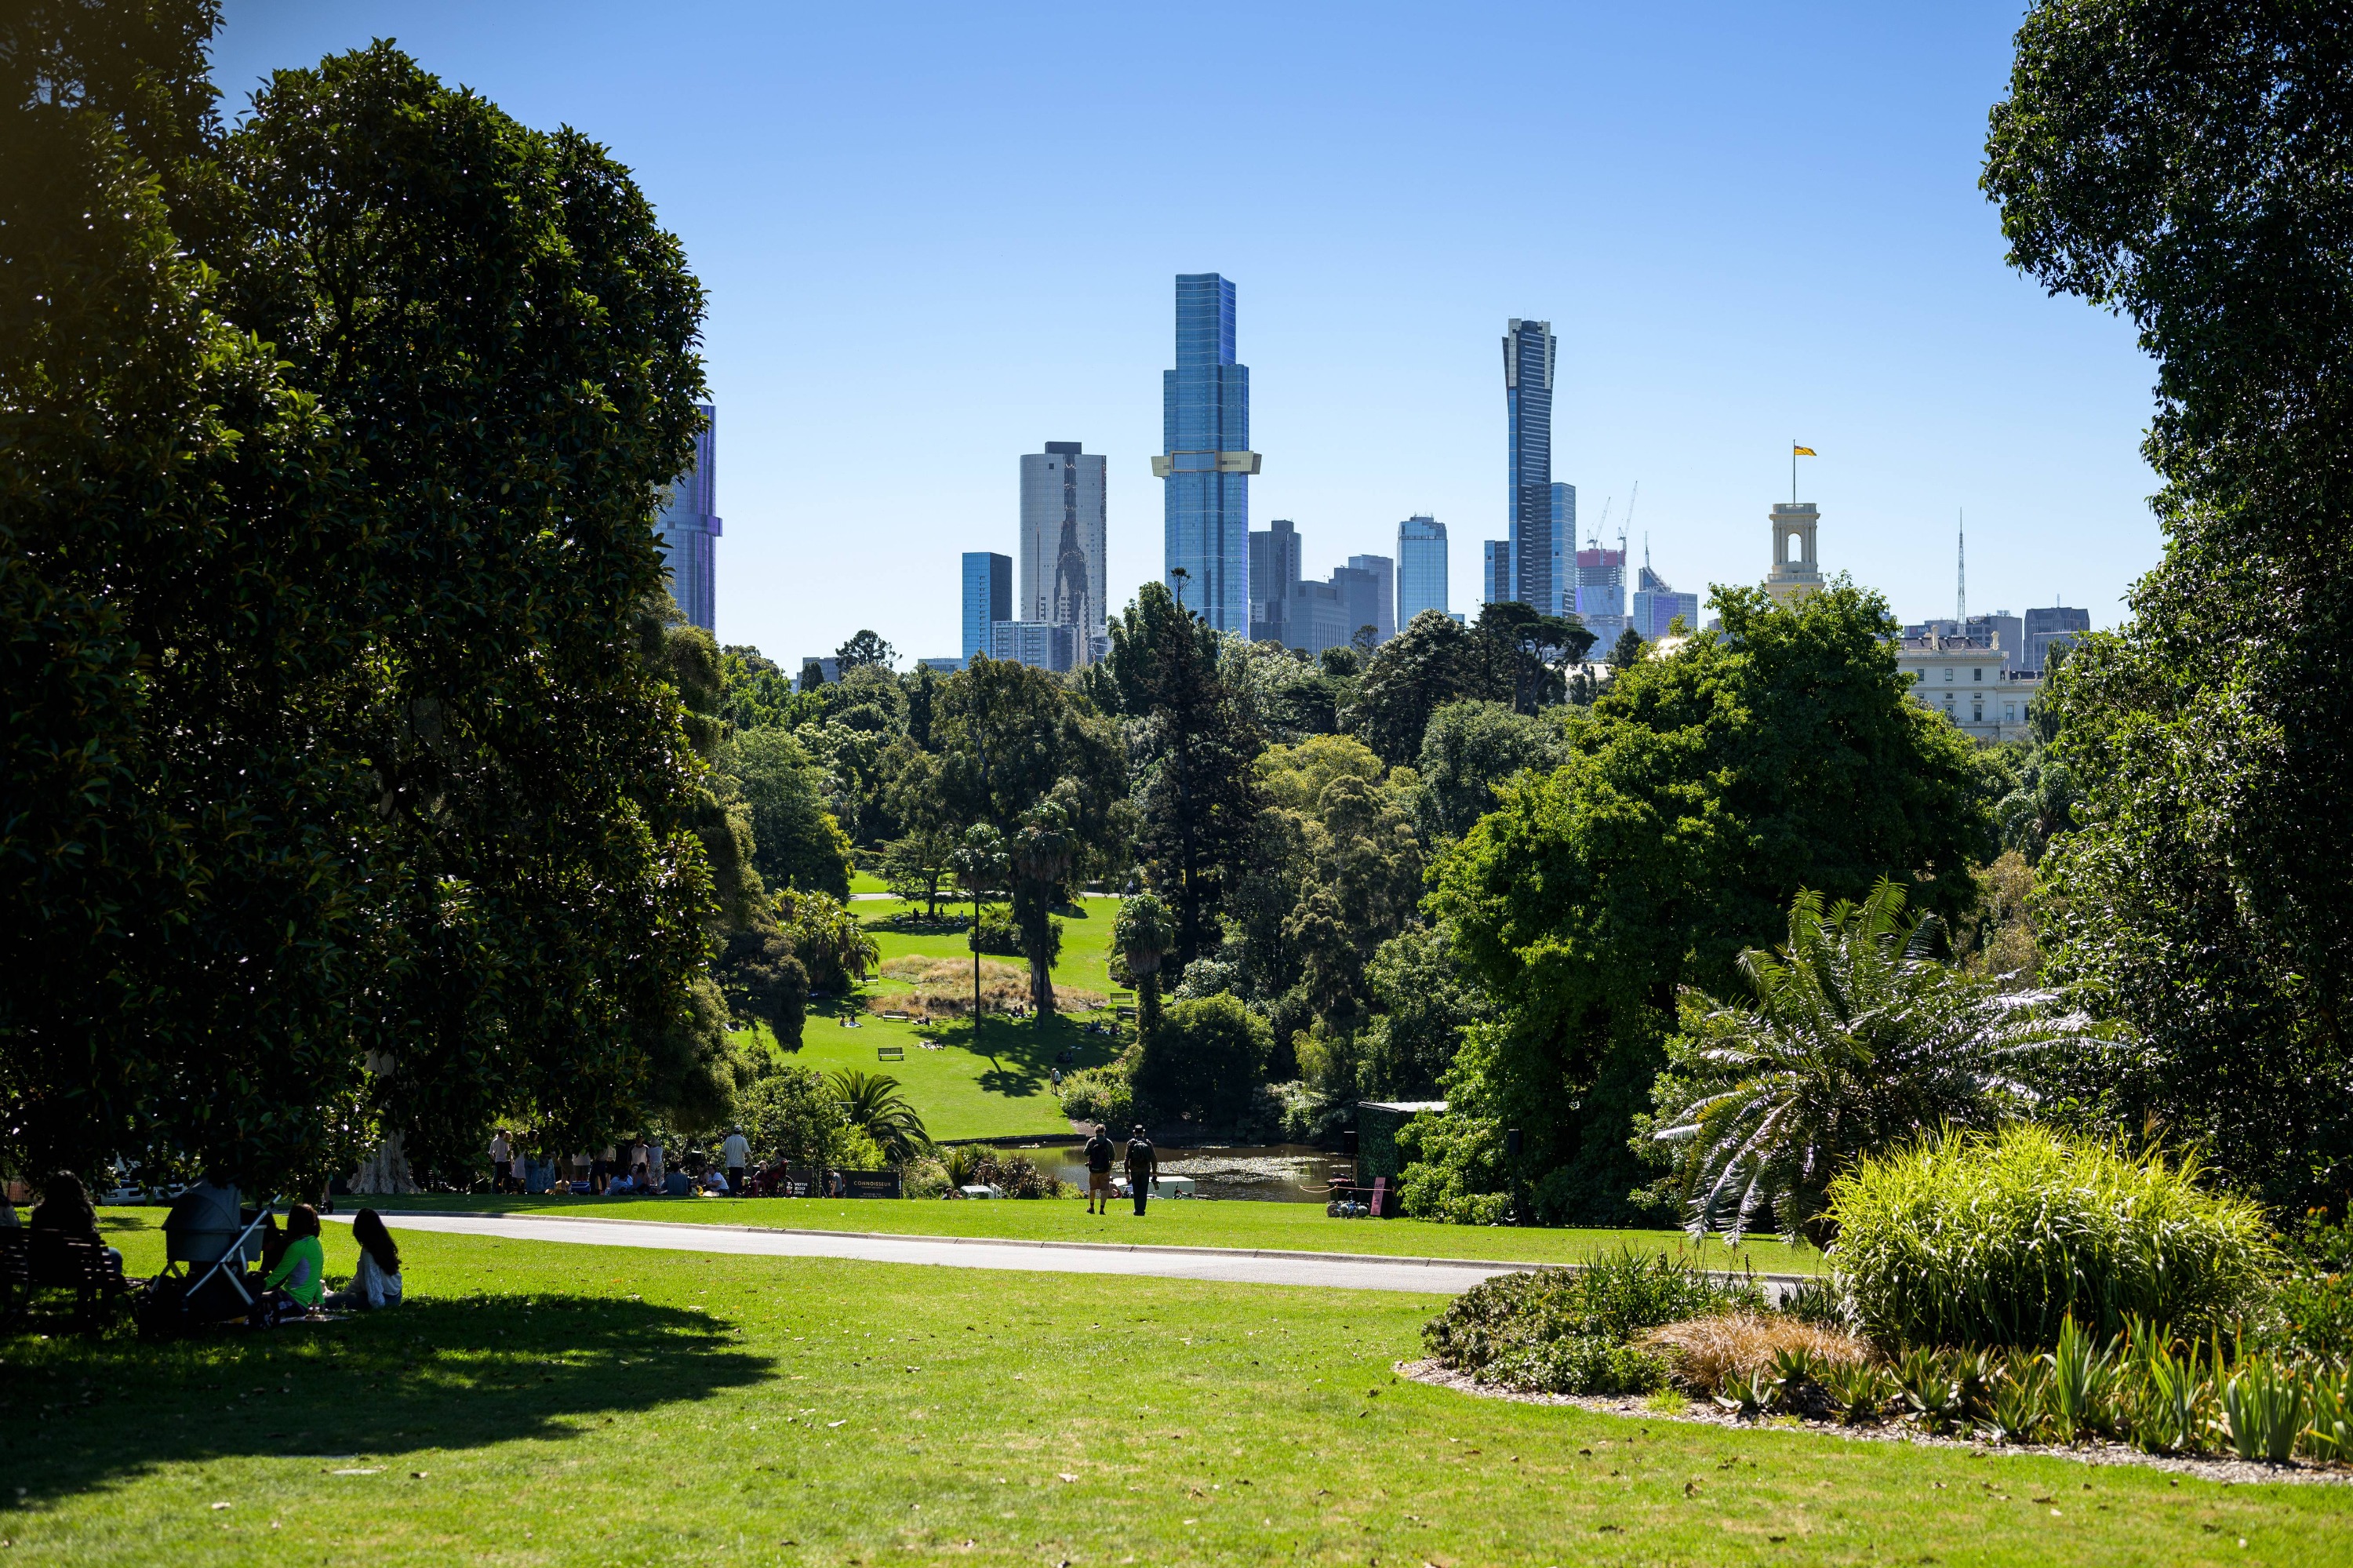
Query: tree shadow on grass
(78, 1413)
(1023, 1052)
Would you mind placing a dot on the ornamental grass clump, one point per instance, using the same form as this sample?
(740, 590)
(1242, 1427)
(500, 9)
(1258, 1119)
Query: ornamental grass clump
(1978, 1239)
(1579, 1330)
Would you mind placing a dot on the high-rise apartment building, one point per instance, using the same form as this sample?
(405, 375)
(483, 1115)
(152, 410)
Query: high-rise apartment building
(1495, 573)
(1528, 350)
(1420, 568)
(1657, 604)
(2047, 624)
(1273, 572)
(1040, 644)
(1064, 572)
(987, 598)
(1380, 610)
(687, 527)
(1206, 459)
(1564, 546)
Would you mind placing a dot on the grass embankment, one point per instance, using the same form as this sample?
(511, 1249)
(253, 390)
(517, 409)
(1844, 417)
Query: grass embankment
(1231, 1223)
(576, 1405)
(1001, 1090)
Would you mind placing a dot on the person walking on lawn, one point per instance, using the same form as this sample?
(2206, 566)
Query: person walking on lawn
(1143, 1166)
(1098, 1171)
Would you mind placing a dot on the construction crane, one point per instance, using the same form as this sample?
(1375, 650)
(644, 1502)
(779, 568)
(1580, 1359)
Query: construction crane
(1628, 521)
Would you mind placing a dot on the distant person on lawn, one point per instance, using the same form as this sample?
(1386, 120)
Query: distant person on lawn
(1143, 1166)
(734, 1154)
(502, 1162)
(295, 1287)
(377, 1283)
(1098, 1171)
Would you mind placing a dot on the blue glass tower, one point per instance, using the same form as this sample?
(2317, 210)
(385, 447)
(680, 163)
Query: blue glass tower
(987, 597)
(1527, 404)
(1206, 459)
(688, 528)
(1421, 568)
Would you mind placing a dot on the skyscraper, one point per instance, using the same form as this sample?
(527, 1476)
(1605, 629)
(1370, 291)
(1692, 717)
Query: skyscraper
(2046, 624)
(1495, 578)
(687, 525)
(1528, 348)
(1421, 568)
(1273, 570)
(1063, 570)
(1564, 547)
(1657, 604)
(1206, 458)
(987, 597)
(1376, 599)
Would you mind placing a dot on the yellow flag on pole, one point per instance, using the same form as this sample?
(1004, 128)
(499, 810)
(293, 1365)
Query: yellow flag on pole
(1797, 451)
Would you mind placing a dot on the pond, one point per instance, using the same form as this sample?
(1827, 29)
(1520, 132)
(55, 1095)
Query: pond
(1269, 1172)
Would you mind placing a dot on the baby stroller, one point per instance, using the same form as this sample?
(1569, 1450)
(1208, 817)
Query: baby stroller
(210, 1240)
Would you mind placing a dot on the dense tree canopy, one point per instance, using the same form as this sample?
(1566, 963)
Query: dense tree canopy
(1700, 793)
(2190, 165)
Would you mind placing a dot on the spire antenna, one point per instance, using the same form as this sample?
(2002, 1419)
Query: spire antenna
(1961, 583)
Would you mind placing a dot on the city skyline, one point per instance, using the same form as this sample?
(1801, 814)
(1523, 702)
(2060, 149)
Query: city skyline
(845, 233)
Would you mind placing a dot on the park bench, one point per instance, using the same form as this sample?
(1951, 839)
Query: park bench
(33, 1261)
(890, 1052)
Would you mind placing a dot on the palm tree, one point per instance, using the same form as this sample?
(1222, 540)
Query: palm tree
(1143, 931)
(872, 1103)
(831, 943)
(1857, 1040)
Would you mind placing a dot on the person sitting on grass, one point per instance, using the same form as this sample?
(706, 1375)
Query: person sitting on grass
(377, 1282)
(293, 1288)
(714, 1184)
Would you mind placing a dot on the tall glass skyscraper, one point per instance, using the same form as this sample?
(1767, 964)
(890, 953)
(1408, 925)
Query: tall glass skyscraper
(1064, 576)
(687, 525)
(1564, 550)
(987, 598)
(1206, 458)
(1421, 568)
(1528, 348)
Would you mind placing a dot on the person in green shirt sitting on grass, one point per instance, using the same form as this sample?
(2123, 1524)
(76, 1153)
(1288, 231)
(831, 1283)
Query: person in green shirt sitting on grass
(292, 1288)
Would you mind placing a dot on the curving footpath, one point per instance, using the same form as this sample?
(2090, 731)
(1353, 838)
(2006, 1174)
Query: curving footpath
(1353, 1271)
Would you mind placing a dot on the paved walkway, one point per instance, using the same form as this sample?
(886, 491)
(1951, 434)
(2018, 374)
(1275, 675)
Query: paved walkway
(1445, 1277)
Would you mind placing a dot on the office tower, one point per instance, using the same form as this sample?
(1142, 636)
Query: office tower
(1598, 587)
(1528, 348)
(1564, 545)
(1316, 616)
(1382, 618)
(1207, 461)
(2050, 624)
(1796, 575)
(1273, 570)
(688, 523)
(1063, 570)
(1420, 568)
(1657, 604)
(1036, 643)
(987, 598)
(1495, 574)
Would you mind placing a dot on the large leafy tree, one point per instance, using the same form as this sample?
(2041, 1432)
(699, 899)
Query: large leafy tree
(1197, 745)
(2185, 163)
(796, 843)
(1468, 748)
(1435, 660)
(1698, 795)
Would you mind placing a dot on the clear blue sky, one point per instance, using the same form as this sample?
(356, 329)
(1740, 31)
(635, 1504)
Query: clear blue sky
(938, 236)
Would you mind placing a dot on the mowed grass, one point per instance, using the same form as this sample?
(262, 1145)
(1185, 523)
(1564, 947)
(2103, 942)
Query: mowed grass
(1221, 1223)
(541, 1403)
(1002, 1088)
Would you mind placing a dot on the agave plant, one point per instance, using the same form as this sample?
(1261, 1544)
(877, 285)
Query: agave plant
(1856, 1039)
(1857, 1388)
(2018, 1400)
(1927, 1387)
(2083, 1383)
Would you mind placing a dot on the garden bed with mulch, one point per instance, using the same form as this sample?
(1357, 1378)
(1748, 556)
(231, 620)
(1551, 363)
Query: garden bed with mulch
(2228, 1469)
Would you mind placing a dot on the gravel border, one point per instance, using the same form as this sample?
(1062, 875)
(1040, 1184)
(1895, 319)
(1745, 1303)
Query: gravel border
(2228, 1471)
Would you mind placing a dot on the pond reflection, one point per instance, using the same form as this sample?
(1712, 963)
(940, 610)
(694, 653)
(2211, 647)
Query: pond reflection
(1269, 1172)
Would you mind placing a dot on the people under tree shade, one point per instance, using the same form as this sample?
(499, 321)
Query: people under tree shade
(65, 1209)
(377, 1282)
(298, 1283)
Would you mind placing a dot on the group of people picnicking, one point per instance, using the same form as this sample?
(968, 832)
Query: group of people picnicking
(291, 1281)
(638, 1169)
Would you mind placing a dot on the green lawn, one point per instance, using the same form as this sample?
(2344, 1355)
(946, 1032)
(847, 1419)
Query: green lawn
(1285, 1227)
(545, 1405)
(1001, 1090)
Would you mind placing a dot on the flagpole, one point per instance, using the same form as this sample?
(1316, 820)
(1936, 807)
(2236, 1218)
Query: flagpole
(1793, 472)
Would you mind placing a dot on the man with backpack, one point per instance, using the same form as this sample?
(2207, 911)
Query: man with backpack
(1098, 1171)
(1143, 1166)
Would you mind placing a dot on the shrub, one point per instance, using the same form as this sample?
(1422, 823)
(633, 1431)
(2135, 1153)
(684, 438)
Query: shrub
(1205, 1063)
(1015, 1175)
(1100, 1094)
(1574, 1330)
(1704, 1355)
(1995, 1240)
(1000, 934)
(1453, 1169)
